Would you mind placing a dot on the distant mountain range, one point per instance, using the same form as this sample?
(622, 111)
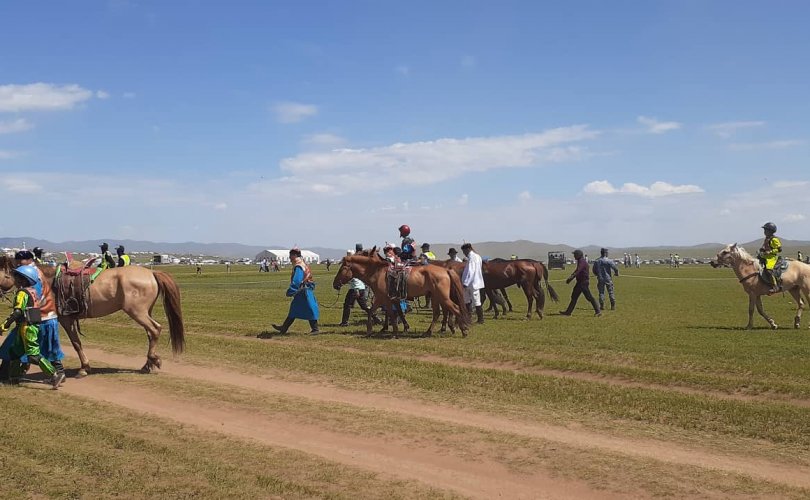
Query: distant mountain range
(521, 248)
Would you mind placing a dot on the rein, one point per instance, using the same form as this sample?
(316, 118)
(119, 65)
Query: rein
(745, 278)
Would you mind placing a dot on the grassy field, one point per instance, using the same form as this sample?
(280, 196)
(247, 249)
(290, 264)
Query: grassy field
(672, 365)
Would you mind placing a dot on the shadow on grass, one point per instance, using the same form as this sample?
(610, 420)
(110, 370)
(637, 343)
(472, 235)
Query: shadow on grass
(730, 328)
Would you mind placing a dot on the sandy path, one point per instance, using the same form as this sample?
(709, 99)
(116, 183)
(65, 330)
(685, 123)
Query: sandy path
(432, 466)
(787, 474)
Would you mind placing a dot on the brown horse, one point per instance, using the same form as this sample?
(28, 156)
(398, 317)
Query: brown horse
(131, 289)
(795, 280)
(525, 273)
(443, 286)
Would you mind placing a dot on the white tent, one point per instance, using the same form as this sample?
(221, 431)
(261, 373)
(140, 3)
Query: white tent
(283, 256)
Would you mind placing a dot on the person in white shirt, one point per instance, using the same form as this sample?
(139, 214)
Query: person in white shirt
(453, 253)
(473, 280)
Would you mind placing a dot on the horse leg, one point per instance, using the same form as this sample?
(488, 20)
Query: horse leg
(71, 327)
(751, 304)
(797, 296)
(436, 307)
(506, 298)
(528, 289)
(152, 329)
(761, 311)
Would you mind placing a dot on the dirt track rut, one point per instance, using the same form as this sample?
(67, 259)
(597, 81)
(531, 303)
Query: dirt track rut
(431, 466)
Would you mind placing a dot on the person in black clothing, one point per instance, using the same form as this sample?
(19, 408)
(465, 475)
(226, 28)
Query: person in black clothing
(582, 275)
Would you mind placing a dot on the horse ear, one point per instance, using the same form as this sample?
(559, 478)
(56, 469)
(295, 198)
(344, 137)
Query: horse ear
(734, 245)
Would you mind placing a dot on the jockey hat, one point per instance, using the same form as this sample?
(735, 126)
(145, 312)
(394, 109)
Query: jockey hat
(769, 226)
(104, 247)
(577, 253)
(37, 251)
(24, 255)
(358, 247)
(295, 251)
(404, 230)
(604, 252)
(452, 251)
(425, 246)
(119, 249)
(30, 273)
(388, 246)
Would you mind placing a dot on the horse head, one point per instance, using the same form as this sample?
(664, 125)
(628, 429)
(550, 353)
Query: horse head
(6, 276)
(725, 257)
(344, 274)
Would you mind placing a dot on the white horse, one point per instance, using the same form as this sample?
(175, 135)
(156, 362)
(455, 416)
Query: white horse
(795, 280)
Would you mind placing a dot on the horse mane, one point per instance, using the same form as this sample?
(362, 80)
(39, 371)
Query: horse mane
(746, 257)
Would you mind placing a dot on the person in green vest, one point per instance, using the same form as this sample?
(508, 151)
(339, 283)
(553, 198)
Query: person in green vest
(107, 260)
(26, 314)
(768, 255)
(123, 258)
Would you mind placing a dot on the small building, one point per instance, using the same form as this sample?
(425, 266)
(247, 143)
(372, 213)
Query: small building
(283, 256)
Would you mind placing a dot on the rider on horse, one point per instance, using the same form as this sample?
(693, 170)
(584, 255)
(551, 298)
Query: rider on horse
(769, 254)
(106, 257)
(408, 250)
(123, 258)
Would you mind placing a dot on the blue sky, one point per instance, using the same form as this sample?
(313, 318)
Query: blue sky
(326, 123)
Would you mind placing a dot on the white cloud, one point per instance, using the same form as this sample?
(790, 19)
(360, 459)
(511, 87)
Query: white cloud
(128, 95)
(7, 155)
(18, 125)
(468, 62)
(422, 163)
(795, 217)
(41, 97)
(656, 189)
(728, 129)
(323, 141)
(790, 184)
(403, 70)
(21, 185)
(524, 196)
(657, 127)
(220, 206)
(463, 199)
(753, 146)
(293, 112)
(102, 94)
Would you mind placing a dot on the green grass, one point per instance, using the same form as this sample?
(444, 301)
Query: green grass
(679, 333)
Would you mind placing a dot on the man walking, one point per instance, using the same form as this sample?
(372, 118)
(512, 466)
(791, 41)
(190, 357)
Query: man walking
(603, 267)
(581, 287)
(473, 280)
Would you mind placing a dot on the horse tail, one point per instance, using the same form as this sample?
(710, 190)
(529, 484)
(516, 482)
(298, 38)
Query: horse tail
(542, 269)
(457, 296)
(171, 303)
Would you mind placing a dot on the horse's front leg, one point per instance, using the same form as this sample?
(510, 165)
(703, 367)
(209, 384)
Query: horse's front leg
(71, 327)
(751, 304)
(761, 311)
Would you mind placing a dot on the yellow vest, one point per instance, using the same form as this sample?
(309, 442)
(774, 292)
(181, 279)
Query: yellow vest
(126, 260)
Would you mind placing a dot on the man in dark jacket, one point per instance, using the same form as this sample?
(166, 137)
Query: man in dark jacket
(582, 275)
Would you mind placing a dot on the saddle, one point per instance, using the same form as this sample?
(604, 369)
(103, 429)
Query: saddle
(72, 288)
(778, 269)
(396, 281)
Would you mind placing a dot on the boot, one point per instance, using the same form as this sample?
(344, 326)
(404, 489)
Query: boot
(56, 379)
(285, 326)
(479, 313)
(612, 305)
(313, 325)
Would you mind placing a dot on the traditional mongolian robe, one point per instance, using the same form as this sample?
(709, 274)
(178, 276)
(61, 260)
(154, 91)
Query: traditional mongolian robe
(302, 290)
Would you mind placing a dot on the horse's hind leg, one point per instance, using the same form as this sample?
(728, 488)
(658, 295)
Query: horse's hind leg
(152, 328)
(797, 296)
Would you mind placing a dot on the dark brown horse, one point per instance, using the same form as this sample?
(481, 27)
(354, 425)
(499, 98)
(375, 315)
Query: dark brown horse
(525, 273)
(131, 289)
(443, 286)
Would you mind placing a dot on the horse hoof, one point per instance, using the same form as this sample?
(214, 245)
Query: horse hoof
(774, 326)
(81, 373)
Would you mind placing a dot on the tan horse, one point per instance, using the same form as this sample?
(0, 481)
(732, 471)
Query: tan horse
(131, 289)
(443, 286)
(795, 280)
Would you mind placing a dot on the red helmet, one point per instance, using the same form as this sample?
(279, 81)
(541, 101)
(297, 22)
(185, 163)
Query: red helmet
(404, 230)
